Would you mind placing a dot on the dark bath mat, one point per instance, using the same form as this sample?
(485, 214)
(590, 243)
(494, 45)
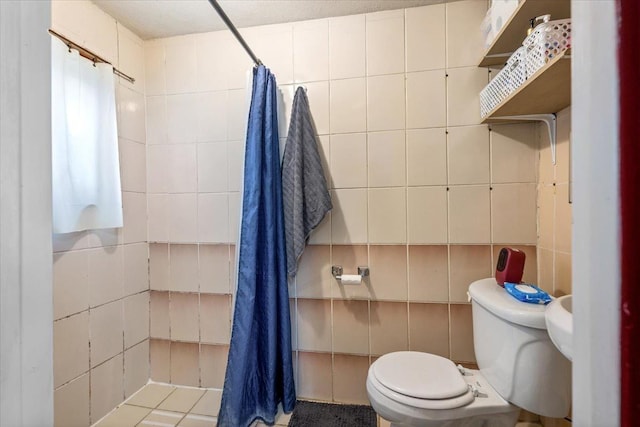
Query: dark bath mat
(314, 414)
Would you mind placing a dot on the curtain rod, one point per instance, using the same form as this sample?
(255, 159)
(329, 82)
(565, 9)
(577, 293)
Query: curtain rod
(86, 53)
(235, 32)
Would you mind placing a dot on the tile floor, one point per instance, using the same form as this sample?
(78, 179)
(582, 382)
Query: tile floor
(164, 405)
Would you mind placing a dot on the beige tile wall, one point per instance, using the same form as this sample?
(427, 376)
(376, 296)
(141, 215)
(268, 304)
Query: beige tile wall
(554, 218)
(195, 119)
(101, 285)
(554, 210)
(423, 194)
(190, 312)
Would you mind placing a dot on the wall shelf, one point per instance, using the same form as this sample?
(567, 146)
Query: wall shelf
(547, 91)
(514, 31)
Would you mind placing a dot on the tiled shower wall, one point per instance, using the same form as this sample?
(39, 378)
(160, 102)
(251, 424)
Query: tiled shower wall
(101, 296)
(423, 194)
(554, 215)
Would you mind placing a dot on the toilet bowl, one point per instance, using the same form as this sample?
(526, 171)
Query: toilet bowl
(425, 390)
(520, 368)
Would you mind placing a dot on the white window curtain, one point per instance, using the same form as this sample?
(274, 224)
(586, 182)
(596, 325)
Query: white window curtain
(86, 170)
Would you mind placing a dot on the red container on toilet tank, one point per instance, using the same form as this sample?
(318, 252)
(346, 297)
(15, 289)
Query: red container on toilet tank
(510, 266)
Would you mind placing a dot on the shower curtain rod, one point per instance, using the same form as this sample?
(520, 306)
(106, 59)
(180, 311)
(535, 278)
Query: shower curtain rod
(235, 32)
(86, 53)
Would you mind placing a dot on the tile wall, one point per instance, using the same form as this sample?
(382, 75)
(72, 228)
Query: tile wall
(554, 218)
(196, 114)
(554, 210)
(423, 194)
(101, 286)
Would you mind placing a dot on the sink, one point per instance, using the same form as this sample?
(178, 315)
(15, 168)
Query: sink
(559, 320)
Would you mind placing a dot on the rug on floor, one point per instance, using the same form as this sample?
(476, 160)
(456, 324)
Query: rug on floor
(315, 414)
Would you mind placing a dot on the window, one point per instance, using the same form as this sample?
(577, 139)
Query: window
(86, 171)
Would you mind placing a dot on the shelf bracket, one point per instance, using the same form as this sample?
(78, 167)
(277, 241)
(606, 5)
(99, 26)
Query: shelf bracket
(548, 119)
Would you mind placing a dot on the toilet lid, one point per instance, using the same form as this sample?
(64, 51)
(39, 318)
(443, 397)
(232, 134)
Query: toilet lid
(420, 375)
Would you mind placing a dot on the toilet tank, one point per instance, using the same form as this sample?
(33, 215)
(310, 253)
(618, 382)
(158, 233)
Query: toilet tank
(515, 354)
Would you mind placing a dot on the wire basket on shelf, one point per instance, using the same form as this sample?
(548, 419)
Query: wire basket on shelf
(517, 65)
(496, 91)
(510, 78)
(547, 41)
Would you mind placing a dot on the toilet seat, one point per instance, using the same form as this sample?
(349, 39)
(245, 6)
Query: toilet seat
(421, 380)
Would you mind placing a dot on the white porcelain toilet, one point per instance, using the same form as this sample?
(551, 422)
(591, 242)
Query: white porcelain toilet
(519, 368)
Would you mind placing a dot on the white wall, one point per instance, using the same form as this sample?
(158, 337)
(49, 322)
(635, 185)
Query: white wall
(26, 371)
(596, 243)
(100, 280)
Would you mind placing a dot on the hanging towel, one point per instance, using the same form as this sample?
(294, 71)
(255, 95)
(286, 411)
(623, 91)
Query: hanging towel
(306, 198)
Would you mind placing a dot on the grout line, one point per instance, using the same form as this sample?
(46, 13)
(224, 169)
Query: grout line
(155, 424)
(448, 194)
(194, 416)
(165, 398)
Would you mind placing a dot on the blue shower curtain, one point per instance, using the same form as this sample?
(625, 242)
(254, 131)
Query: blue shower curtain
(259, 370)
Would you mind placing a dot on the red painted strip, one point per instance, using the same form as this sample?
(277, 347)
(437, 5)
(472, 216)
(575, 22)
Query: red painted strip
(629, 72)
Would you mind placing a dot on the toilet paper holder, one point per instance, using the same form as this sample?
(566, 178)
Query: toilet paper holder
(336, 271)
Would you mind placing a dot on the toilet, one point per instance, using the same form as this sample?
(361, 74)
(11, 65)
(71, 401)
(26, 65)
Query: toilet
(520, 368)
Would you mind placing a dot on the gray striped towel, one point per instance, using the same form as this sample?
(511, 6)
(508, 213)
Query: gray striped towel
(305, 195)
